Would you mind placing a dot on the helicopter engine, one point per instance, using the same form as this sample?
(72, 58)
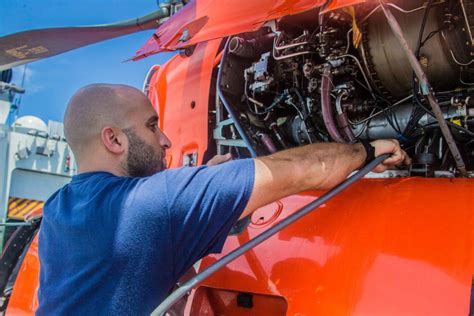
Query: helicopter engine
(343, 77)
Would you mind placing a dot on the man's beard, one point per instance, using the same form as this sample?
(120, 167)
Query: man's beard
(142, 159)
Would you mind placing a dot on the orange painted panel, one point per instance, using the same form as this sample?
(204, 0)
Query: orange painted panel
(204, 20)
(338, 4)
(24, 300)
(384, 247)
(179, 92)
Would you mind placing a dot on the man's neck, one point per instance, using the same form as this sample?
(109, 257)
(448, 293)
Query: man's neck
(117, 170)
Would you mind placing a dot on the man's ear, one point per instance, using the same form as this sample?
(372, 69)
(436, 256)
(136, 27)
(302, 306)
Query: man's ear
(114, 140)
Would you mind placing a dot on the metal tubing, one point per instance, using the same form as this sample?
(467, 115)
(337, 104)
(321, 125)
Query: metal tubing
(282, 47)
(289, 55)
(464, 13)
(425, 88)
(229, 109)
(199, 278)
(16, 224)
(342, 119)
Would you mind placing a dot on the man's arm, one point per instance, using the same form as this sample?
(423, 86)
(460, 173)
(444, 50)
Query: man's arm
(313, 167)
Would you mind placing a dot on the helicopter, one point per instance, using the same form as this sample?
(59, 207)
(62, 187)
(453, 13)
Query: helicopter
(255, 77)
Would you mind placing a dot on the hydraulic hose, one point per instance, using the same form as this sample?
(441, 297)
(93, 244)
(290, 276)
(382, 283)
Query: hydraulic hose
(199, 278)
(326, 109)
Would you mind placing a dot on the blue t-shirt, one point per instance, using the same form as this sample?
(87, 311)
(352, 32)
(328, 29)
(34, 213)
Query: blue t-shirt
(117, 245)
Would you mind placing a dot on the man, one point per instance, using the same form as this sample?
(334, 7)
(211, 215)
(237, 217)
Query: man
(118, 237)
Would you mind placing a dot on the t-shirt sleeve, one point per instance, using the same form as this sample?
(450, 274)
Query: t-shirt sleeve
(204, 203)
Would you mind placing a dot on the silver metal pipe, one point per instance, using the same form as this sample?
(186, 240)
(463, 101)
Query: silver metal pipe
(289, 55)
(277, 39)
(464, 12)
(412, 10)
(405, 11)
(425, 88)
(454, 57)
(277, 48)
(379, 127)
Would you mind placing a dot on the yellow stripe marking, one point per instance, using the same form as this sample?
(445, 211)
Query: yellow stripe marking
(16, 203)
(26, 209)
(18, 208)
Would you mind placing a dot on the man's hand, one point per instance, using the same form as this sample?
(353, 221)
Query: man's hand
(397, 155)
(218, 159)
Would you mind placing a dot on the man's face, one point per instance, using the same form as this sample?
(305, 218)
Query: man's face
(147, 145)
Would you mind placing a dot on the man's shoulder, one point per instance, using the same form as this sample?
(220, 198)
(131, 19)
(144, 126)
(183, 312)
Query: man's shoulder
(55, 195)
(87, 187)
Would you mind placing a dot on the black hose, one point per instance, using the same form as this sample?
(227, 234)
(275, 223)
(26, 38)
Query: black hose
(229, 109)
(422, 28)
(416, 115)
(199, 278)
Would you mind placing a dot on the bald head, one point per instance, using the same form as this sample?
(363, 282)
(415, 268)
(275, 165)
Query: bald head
(96, 106)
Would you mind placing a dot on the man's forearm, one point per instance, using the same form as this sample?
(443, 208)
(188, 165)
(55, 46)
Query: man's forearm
(318, 166)
(313, 167)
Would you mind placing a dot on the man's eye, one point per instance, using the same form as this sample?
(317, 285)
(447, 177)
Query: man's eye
(153, 127)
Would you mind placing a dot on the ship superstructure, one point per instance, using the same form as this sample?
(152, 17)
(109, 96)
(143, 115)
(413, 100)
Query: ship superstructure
(35, 161)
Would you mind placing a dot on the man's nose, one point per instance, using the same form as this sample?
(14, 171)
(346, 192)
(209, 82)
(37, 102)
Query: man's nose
(164, 140)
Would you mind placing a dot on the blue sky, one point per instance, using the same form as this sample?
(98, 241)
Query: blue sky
(49, 83)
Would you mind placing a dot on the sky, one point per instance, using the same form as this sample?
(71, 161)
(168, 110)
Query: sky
(50, 83)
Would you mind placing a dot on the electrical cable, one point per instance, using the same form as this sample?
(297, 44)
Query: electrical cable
(422, 28)
(275, 102)
(199, 278)
(447, 122)
(372, 115)
(415, 115)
